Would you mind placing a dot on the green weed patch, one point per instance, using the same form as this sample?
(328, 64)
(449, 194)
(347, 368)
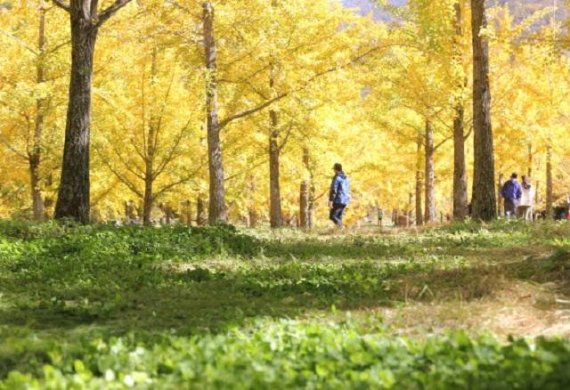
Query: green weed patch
(109, 307)
(288, 354)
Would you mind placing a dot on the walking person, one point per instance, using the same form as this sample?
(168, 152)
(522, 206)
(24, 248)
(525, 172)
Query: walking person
(526, 206)
(339, 195)
(512, 193)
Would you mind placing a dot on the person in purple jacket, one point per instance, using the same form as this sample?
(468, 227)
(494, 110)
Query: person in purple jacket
(512, 193)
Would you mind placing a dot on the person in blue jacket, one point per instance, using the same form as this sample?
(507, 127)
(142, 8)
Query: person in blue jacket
(512, 193)
(339, 196)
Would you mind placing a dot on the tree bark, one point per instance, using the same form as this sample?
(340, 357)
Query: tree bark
(148, 198)
(530, 160)
(34, 155)
(275, 218)
(419, 183)
(410, 212)
(499, 198)
(430, 211)
(309, 167)
(217, 208)
(549, 185)
(73, 194)
(151, 136)
(460, 199)
(201, 218)
(304, 204)
(484, 196)
(188, 212)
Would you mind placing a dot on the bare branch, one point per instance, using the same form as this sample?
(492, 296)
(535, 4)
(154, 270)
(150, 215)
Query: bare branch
(56, 48)
(110, 11)
(436, 147)
(123, 179)
(253, 110)
(289, 128)
(317, 75)
(249, 169)
(171, 185)
(170, 155)
(103, 194)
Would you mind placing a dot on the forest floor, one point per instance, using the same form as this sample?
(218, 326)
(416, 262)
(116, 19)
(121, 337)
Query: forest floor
(96, 306)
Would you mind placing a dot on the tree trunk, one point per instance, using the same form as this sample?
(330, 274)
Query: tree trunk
(188, 212)
(430, 212)
(217, 209)
(484, 197)
(309, 166)
(304, 204)
(148, 199)
(530, 160)
(460, 199)
(201, 218)
(549, 189)
(253, 217)
(34, 156)
(499, 198)
(37, 201)
(73, 194)
(151, 137)
(410, 212)
(275, 218)
(419, 183)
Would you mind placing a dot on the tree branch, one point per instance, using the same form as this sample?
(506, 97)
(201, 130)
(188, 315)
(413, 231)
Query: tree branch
(436, 147)
(289, 128)
(171, 153)
(260, 107)
(110, 11)
(20, 42)
(171, 185)
(249, 169)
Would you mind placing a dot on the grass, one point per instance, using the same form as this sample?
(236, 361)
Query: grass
(69, 295)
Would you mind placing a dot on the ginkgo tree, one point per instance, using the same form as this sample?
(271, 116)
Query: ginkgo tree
(86, 18)
(242, 107)
(32, 83)
(147, 137)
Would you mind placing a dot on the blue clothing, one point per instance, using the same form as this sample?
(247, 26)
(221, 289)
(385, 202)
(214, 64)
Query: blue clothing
(340, 189)
(512, 190)
(336, 213)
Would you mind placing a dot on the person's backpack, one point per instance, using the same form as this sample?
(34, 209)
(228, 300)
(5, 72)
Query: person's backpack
(343, 190)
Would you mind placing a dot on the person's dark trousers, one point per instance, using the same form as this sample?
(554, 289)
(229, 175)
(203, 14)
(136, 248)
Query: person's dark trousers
(510, 208)
(336, 213)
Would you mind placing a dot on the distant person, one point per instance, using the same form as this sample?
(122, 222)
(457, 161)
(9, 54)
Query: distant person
(526, 206)
(380, 216)
(339, 196)
(512, 193)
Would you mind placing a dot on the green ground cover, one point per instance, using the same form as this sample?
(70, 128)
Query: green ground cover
(101, 306)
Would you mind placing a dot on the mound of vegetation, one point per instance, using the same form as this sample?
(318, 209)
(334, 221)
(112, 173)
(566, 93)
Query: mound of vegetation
(289, 354)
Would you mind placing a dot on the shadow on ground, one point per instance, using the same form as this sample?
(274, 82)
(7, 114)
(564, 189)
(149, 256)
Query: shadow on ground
(196, 299)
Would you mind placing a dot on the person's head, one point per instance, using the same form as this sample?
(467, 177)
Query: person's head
(525, 181)
(337, 167)
(514, 176)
